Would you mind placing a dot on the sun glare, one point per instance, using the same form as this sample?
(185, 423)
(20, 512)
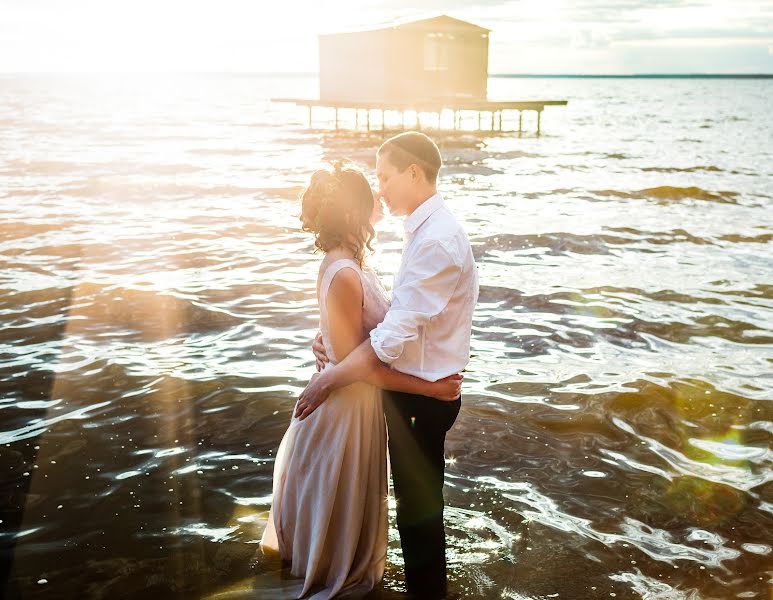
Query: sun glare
(149, 36)
(243, 36)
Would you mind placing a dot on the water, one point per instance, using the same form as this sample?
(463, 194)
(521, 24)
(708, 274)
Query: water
(157, 306)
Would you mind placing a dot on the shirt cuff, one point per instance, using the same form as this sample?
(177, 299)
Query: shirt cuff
(377, 343)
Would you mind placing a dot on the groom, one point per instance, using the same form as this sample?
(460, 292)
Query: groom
(426, 333)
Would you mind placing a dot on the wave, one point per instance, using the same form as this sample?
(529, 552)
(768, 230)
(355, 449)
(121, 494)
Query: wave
(514, 154)
(96, 187)
(678, 193)
(555, 192)
(556, 243)
(17, 231)
(667, 192)
(747, 239)
(152, 315)
(29, 167)
(610, 306)
(222, 151)
(709, 168)
(561, 242)
(57, 167)
(574, 167)
(470, 169)
(675, 236)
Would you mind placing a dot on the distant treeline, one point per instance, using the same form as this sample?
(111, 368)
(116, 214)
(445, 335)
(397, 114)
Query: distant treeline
(639, 76)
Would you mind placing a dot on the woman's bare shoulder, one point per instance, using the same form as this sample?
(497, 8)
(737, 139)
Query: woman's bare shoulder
(345, 283)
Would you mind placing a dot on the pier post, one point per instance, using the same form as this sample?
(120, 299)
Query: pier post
(493, 122)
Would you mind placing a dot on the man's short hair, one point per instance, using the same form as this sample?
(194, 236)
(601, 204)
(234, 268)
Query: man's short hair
(413, 147)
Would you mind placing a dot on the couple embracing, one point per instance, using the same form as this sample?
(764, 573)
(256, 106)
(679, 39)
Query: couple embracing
(400, 359)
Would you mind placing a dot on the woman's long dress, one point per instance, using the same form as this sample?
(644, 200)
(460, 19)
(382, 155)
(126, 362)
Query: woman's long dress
(329, 510)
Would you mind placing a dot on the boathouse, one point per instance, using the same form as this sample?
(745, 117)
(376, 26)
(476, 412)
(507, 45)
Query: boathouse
(433, 59)
(425, 68)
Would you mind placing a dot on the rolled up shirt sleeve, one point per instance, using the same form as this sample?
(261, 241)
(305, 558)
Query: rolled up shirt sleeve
(427, 284)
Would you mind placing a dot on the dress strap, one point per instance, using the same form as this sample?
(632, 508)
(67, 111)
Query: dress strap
(330, 272)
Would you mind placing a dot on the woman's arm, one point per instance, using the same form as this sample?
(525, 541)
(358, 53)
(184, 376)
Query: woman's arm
(344, 312)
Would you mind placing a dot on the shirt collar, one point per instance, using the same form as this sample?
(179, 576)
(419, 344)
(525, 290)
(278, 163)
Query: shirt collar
(422, 212)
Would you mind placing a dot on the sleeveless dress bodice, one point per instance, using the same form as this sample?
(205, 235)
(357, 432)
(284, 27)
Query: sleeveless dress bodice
(375, 301)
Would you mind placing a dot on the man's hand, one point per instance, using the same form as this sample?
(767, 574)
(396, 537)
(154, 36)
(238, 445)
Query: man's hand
(318, 348)
(449, 388)
(315, 394)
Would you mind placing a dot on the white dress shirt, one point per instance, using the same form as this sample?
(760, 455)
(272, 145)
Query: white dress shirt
(426, 332)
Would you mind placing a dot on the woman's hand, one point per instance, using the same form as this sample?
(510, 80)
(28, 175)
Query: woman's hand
(449, 388)
(318, 348)
(315, 394)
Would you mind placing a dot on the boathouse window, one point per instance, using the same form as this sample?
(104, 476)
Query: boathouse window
(436, 52)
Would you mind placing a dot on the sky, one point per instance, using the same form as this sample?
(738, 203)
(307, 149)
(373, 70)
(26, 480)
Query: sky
(528, 36)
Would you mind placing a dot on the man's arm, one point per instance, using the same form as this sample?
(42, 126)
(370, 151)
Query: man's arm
(429, 280)
(429, 288)
(362, 364)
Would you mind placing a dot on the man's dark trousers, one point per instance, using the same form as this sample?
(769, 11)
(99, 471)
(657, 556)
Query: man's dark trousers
(417, 432)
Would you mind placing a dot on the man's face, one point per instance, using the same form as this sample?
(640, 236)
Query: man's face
(393, 186)
(378, 209)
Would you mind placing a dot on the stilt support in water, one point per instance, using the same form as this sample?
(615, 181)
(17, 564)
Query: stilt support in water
(495, 109)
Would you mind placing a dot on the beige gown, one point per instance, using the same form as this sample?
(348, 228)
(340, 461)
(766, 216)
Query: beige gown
(329, 509)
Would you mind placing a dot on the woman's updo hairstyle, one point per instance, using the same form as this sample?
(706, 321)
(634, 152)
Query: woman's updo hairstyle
(336, 207)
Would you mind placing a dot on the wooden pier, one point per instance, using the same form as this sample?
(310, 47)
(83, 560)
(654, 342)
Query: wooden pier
(493, 110)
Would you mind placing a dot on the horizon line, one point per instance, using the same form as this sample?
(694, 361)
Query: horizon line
(494, 75)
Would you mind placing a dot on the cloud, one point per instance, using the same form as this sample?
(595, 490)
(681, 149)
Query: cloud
(590, 39)
(527, 35)
(642, 34)
(698, 58)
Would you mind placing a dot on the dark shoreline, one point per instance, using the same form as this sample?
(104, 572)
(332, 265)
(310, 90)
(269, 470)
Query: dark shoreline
(638, 76)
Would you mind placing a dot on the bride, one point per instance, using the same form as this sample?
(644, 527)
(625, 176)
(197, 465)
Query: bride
(328, 518)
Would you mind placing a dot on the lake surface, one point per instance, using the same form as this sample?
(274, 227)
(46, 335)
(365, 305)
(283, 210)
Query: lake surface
(157, 303)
